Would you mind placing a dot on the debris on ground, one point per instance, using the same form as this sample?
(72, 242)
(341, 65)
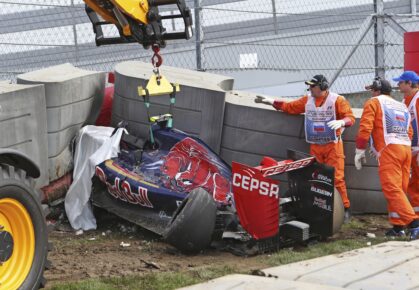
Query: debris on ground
(129, 229)
(124, 245)
(150, 264)
(371, 235)
(122, 228)
(105, 257)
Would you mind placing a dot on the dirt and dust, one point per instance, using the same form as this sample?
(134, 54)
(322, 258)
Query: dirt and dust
(118, 248)
(361, 225)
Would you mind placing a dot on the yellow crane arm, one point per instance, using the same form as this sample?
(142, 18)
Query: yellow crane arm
(137, 21)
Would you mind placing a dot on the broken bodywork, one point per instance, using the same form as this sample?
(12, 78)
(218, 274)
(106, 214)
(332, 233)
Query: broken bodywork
(180, 189)
(174, 185)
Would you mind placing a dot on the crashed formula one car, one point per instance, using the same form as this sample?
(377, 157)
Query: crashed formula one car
(173, 184)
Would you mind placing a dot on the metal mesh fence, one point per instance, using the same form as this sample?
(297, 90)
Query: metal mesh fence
(290, 39)
(304, 38)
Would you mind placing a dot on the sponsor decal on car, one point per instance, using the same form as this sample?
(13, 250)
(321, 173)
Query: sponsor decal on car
(322, 203)
(253, 184)
(318, 177)
(281, 168)
(122, 190)
(189, 165)
(321, 191)
(256, 199)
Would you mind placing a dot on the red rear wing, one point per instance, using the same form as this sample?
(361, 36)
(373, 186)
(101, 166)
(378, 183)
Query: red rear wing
(257, 197)
(284, 166)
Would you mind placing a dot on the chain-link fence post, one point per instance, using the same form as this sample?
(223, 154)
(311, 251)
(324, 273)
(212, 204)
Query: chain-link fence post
(274, 16)
(380, 70)
(76, 44)
(357, 39)
(199, 34)
(246, 36)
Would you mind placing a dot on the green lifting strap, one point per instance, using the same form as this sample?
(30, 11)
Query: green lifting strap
(157, 86)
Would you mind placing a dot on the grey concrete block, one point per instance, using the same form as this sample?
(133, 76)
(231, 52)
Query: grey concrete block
(251, 131)
(139, 72)
(350, 133)
(365, 179)
(135, 128)
(349, 149)
(60, 164)
(367, 201)
(66, 84)
(242, 112)
(59, 118)
(357, 100)
(201, 98)
(73, 98)
(23, 123)
(138, 128)
(262, 143)
(185, 120)
(242, 157)
(59, 141)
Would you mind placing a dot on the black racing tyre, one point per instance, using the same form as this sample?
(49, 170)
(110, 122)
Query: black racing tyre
(22, 217)
(193, 223)
(338, 212)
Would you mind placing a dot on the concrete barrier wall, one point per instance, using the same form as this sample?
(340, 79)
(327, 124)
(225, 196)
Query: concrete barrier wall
(23, 123)
(357, 100)
(73, 98)
(199, 105)
(233, 125)
(42, 120)
(251, 131)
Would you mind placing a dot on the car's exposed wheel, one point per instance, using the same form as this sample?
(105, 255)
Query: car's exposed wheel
(23, 232)
(338, 212)
(193, 223)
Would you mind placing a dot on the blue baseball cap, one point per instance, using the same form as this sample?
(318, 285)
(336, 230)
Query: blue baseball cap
(408, 76)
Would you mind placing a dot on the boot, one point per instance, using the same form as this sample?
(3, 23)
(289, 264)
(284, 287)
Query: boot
(396, 232)
(347, 216)
(414, 230)
(414, 234)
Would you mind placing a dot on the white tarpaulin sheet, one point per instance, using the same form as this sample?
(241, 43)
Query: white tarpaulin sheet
(94, 145)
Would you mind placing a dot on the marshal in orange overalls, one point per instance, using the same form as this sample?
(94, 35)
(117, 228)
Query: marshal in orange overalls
(331, 153)
(413, 189)
(393, 163)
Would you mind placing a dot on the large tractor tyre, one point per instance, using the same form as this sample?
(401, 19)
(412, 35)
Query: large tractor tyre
(193, 223)
(338, 212)
(23, 232)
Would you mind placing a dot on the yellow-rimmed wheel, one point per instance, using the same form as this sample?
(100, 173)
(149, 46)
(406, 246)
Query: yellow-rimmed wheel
(23, 232)
(18, 243)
